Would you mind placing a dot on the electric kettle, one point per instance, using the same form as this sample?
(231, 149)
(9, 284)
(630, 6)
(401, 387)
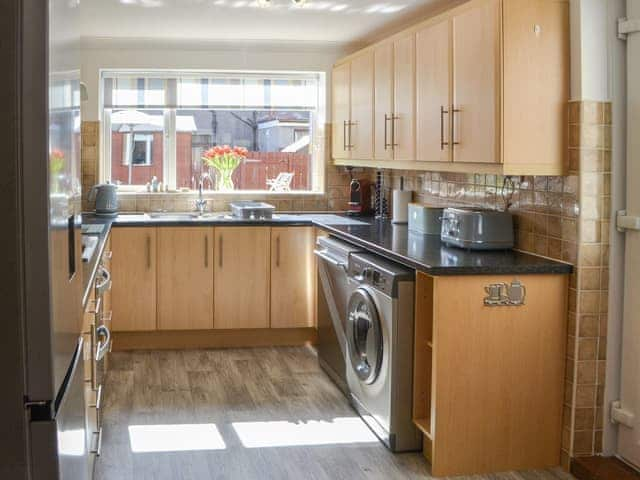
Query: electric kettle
(106, 198)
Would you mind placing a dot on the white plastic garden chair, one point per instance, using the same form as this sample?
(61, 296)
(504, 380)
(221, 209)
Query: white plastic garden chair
(282, 183)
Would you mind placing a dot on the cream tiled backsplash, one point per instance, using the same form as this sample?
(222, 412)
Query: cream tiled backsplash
(563, 217)
(545, 209)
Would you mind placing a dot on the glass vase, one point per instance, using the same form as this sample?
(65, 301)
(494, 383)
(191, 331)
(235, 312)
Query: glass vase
(225, 180)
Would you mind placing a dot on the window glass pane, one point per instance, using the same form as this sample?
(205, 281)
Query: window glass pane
(136, 146)
(136, 91)
(278, 144)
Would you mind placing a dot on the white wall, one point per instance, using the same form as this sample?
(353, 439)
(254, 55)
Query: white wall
(589, 50)
(139, 54)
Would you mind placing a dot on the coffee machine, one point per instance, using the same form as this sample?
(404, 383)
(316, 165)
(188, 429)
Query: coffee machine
(359, 197)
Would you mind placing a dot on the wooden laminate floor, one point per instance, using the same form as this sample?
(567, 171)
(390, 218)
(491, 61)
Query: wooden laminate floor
(207, 403)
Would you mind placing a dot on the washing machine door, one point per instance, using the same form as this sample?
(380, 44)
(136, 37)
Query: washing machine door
(364, 336)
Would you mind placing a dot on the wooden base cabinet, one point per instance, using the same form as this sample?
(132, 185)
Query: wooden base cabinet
(185, 278)
(292, 277)
(133, 295)
(241, 278)
(489, 380)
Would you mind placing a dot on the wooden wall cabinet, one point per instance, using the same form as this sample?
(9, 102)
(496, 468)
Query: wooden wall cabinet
(481, 88)
(380, 123)
(133, 294)
(360, 128)
(341, 112)
(292, 277)
(403, 120)
(489, 380)
(383, 101)
(185, 278)
(433, 92)
(241, 278)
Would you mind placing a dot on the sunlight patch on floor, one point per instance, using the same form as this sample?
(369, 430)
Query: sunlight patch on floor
(175, 438)
(289, 434)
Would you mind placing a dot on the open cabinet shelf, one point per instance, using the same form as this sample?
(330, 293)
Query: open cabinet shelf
(423, 368)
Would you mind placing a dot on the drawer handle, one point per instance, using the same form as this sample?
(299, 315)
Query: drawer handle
(104, 283)
(103, 347)
(96, 451)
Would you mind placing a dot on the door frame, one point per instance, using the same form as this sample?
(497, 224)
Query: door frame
(617, 52)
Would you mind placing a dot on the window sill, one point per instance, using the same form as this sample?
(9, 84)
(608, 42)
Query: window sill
(218, 194)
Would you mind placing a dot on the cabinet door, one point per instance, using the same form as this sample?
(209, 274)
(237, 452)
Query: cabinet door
(185, 278)
(383, 101)
(404, 99)
(433, 93)
(534, 129)
(341, 86)
(241, 277)
(133, 291)
(476, 83)
(360, 130)
(292, 277)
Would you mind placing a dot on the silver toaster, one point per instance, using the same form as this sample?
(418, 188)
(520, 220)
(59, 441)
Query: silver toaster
(477, 229)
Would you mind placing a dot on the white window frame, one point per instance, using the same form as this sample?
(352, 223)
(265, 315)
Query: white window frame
(317, 125)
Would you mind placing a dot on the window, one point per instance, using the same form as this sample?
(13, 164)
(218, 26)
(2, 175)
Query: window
(160, 124)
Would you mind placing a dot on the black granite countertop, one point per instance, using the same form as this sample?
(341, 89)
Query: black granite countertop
(225, 219)
(422, 252)
(428, 254)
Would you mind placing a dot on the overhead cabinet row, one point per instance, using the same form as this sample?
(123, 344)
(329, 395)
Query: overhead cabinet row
(482, 87)
(200, 278)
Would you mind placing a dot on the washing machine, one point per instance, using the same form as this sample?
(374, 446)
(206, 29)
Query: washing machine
(379, 337)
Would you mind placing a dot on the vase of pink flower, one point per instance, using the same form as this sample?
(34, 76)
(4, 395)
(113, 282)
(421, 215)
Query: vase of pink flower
(224, 159)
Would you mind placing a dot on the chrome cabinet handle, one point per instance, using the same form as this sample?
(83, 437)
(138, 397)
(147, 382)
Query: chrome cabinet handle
(386, 119)
(393, 131)
(350, 145)
(442, 142)
(148, 252)
(220, 251)
(453, 125)
(206, 251)
(344, 135)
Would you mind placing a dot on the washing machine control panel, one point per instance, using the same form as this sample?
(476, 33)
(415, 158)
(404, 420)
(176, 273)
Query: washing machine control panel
(371, 275)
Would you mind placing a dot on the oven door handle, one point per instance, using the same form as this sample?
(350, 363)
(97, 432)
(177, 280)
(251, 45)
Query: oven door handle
(103, 347)
(323, 255)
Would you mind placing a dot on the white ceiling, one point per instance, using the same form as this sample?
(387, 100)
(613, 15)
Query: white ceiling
(332, 21)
